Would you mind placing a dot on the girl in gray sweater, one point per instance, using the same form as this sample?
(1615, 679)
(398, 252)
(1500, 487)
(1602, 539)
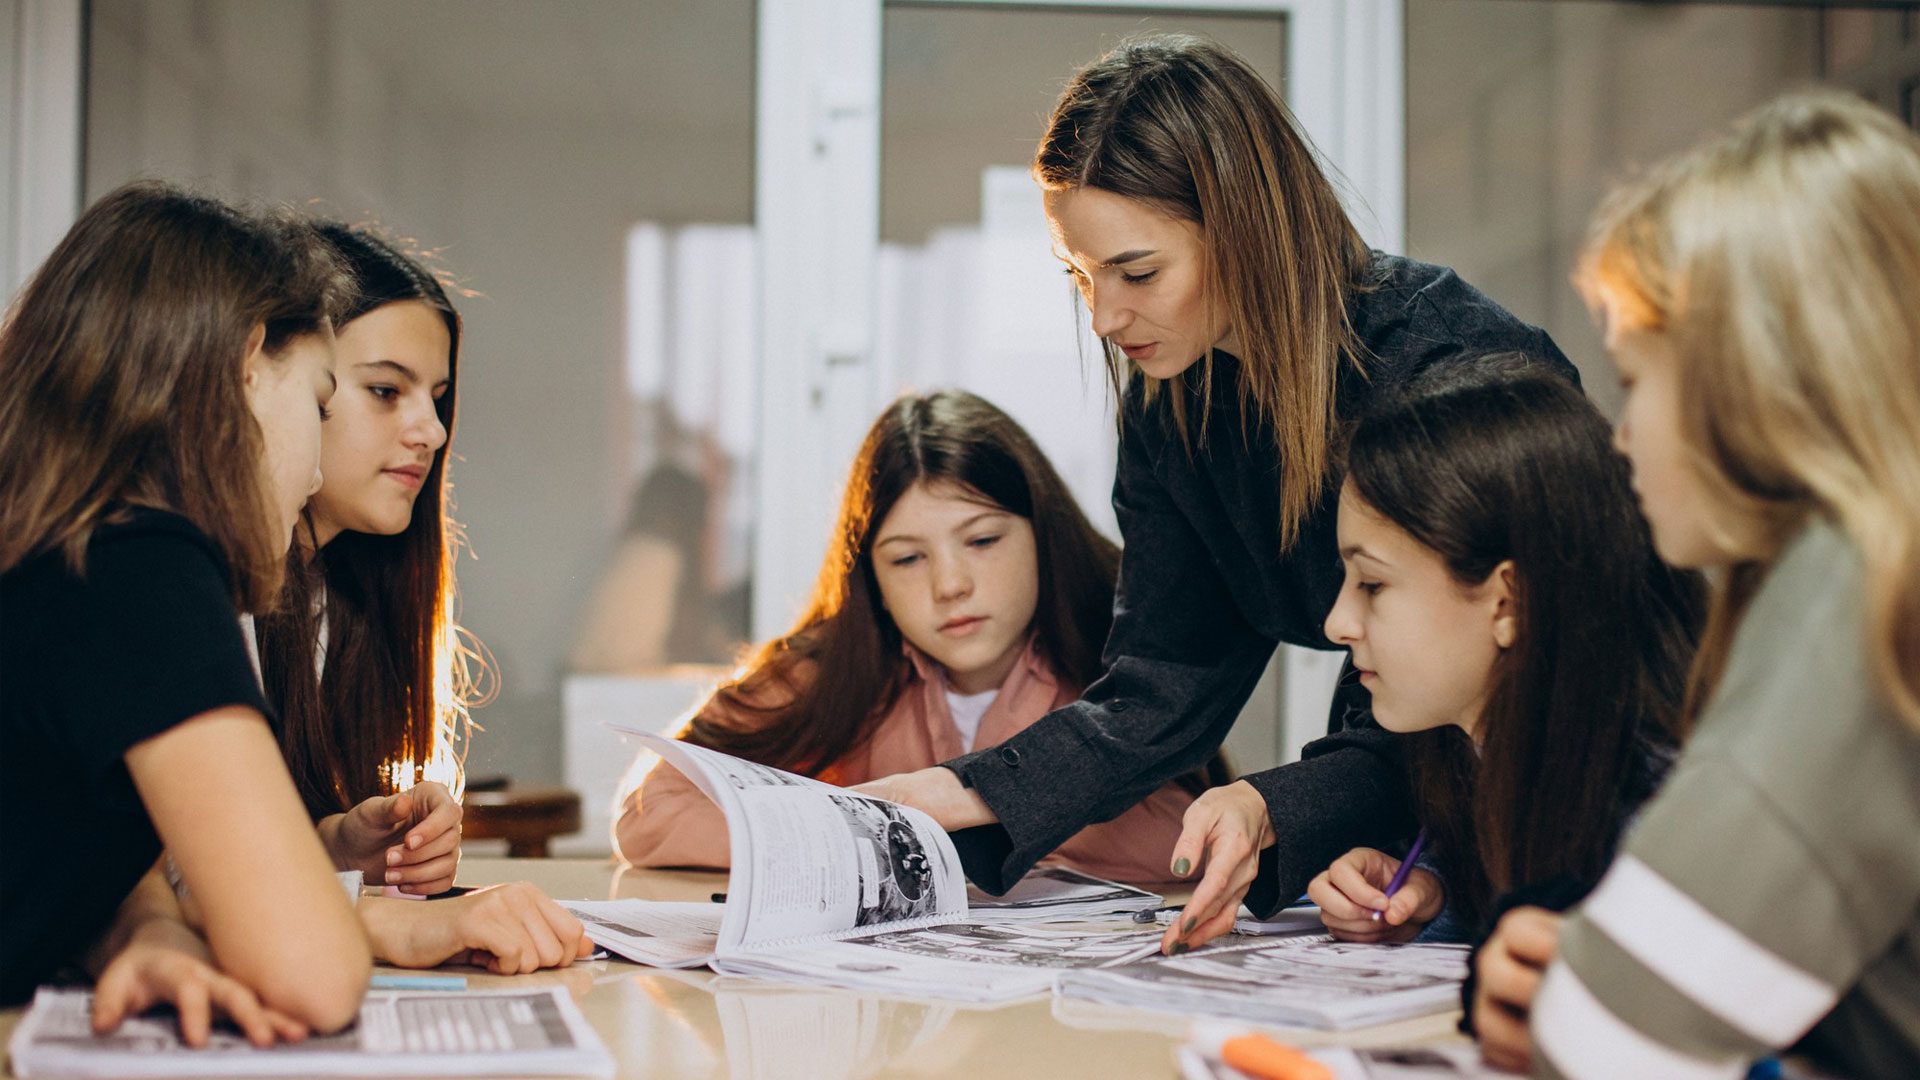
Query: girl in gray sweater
(1759, 297)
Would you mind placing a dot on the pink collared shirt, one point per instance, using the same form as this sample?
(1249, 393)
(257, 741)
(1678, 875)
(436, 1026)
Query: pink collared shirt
(668, 822)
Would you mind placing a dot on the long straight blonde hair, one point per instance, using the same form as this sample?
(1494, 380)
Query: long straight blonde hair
(1782, 261)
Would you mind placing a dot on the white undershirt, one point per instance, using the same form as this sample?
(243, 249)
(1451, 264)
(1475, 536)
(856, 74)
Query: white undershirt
(253, 650)
(967, 709)
(319, 648)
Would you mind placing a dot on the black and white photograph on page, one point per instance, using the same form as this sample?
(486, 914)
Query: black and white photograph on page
(896, 872)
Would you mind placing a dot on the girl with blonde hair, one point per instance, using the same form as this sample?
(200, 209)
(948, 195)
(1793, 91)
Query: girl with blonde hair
(1761, 298)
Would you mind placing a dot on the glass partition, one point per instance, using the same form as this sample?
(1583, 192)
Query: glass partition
(584, 173)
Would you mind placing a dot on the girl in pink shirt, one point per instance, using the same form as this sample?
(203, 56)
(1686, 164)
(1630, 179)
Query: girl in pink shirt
(964, 597)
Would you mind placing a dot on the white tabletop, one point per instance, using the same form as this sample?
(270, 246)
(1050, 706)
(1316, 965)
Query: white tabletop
(696, 1025)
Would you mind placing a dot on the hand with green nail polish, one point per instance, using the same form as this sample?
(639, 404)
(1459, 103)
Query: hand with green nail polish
(1224, 832)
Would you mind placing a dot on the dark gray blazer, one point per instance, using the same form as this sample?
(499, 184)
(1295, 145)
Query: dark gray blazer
(1204, 596)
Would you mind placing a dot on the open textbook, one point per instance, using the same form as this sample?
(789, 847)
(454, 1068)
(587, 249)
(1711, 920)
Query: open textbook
(678, 934)
(474, 1033)
(836, 887)
(1304, 980)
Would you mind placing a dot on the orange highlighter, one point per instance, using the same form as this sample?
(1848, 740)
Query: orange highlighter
(1256, 1055)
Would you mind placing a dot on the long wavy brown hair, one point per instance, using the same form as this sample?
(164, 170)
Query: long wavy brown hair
(1189, 128)
(390, 706)
(122, 377)
(1500, 461)
(846, 639)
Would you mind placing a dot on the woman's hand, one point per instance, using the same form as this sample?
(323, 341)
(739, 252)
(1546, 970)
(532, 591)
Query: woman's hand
(507, 929)
(936, 792)
(1507, 975)
(165, 963)
(1353, 900)
(1226, 829)
(411, 839)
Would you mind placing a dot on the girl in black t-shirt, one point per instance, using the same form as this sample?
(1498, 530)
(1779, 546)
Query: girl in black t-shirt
(163, 378)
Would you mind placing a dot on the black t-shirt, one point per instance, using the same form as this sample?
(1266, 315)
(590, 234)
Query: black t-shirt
(90, 666)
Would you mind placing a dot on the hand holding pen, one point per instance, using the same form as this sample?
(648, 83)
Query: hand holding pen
(1370, 896)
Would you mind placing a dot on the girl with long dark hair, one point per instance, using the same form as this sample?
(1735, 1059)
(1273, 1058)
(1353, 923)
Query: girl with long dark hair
(1245, 323)
(965, 595)
(163, 378)
(362, 660)
(1506, 610)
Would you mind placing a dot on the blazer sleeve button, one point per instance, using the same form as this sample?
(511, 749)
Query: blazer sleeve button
(1011, 756)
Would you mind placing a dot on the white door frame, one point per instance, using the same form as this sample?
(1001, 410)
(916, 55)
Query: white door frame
(817, 212)
(43, 89)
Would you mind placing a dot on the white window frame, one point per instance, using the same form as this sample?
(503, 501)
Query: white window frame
(44, 86)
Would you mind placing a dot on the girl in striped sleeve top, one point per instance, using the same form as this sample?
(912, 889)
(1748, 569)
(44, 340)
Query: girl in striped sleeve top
(1761, 298)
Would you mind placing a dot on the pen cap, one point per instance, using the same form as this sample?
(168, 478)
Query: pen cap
(1255, 1054)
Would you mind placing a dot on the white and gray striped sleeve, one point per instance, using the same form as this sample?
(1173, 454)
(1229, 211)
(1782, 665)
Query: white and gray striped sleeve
(1778, 864)
(1723, 932)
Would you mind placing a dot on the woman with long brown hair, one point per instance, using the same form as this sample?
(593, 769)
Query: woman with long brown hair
(163, 378)
(965, 594)
(363, 661)
(1245, 322)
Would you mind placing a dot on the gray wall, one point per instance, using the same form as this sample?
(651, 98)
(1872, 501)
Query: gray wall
(522, 139)
(518, 140)
(1520, 116)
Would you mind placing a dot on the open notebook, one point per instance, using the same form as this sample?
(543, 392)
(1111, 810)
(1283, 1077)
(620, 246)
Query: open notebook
(1306, 980)
(474, 1033)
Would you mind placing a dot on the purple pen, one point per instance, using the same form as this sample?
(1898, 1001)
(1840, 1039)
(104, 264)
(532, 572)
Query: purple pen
(1406, 867)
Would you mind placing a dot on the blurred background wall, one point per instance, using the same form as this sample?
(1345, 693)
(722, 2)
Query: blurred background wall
(593, 174)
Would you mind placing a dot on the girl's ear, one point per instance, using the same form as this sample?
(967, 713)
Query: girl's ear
(256, 358)
(1501, 594)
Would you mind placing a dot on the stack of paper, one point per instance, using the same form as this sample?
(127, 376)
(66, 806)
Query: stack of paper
(977, 959)
(1308, 981)
(476, 1033)
(1056, 892)
(660, 933)
(1294, 920)
(964, 961)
